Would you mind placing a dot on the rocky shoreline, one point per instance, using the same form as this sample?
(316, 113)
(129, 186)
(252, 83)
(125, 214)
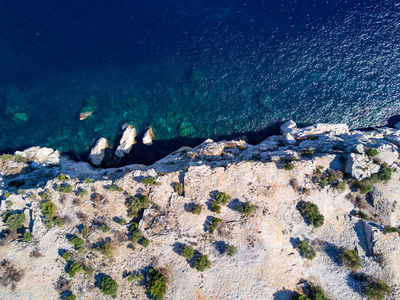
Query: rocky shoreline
(347, 174)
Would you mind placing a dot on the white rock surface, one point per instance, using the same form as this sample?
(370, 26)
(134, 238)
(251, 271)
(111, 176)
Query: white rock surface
(148, 137)
(98, 151)
(41, 155)
(127, 140)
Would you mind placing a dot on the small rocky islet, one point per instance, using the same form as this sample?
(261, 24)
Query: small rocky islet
(312, 212)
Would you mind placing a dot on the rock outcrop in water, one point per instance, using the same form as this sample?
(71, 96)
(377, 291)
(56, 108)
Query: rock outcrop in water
(98, 152)
(127, 140)
(148, 137)
(125, 221)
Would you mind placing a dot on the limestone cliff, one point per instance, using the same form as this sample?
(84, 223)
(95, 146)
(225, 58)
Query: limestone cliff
(352, 177)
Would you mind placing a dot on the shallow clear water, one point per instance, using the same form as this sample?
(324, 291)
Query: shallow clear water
(192, 69)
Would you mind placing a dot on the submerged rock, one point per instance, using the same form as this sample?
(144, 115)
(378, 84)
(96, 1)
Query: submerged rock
(20, 118)
(98, 151)
(127, 140)
(148, 137)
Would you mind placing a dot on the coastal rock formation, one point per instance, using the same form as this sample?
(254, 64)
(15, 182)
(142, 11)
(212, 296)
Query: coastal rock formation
(127, 140)
(148, 137)
(121, 222)
(98, 151)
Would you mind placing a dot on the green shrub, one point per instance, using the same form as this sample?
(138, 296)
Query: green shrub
(83, 193)
(27, 236)
(386, 173)
(288, 166)
(324, 181)
(308, 152)
(107, 250)
(21, 192)
(85, 232)
(157, 285)
(230, 250)
(372, 152)
(306, 249)
(88, 180)
(67, 189)
(135, 204)
(77, 242)
(145, 242)
(6, 195)
(9, 204)
(377, 289)
(179, 188)
(342, 185)
(66, 256)
(222, 198)
(15, 221)
(58, 222)
(121, 222)
(216, 208)
(214, 225)
(388, 229)
(202, 263)
(49, 209)
(298, 296)
(133, 226)
(363, 215)
(45, 195)
(197, 209)
(105, 228)
(70, 297)
(137, 277)
(109, 287)
(187, 252)
(74, 268)
(310, 211)
(62, 177)
(351, 259)
(149, 181)
(137, 235)
(246, 208)
(317, 293)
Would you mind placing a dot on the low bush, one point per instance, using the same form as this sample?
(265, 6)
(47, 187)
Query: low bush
(9, 203)
(377, 289)
(88, 180)
(308, 152)
(246, 208)
(83, 193)
(58, 222)
(214, 225)
(187, 252)
(105, 228)
(135, 277)
(133, 226)
(298, 296)
(6, 195)
(310, 211)
(324, 181)
(196, 210)
(74, 268)
(109, 287)
(66, 256)
(121, 222)
(85, 232)
(363, 215)
(388, 229)
(306, 250)
(157, 285)
(371, 152)
(288, 166)
(317, 293)
(107, 250)
(15, 221)
(222, 198)
(149, 181)
(145, 242)
(216, 208)
(351, 259)
(67, 189)
(135, 204)
(27, 236)
(230, 250)
(179, 188)
(386, 173)
(137, 235)
(342, 185)
(70, 297)
(202, 263)
(78, 243)
(49, 209)
(62, 177)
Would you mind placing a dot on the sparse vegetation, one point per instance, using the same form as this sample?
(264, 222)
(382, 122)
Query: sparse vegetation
(371, 152)
(15, 221)
(45, 195)
(230, 250)
(62, 177)
(306, 249)
(133, 226)
(179, 188)
(298, 296)
(187, 252)
(197, 209)
(88, 180)
(214, 225)
(145, 242)
(121, 222)
(27, 236)
(107, 250)
(342, 185)
(70, 297)
(9, 203)
(83, 193)
(135, 204)
(363, 215)
(109, 287)
(85, 232)
(74, 268)
(78, 243)
(66, 256)
(157, 286)
(317, 293)
(216, 208)
(246, 208)
(288, 166)
(58, 222)
(6, 195)
(351, 259)
(222, 198)
(308, 152)
(135, 277)
(377, 289)
(67, 189)
(48, 209)
(149, 181)
(202, 263)
(105, 228)
(137, 235)
(310, 211)
(388, 229)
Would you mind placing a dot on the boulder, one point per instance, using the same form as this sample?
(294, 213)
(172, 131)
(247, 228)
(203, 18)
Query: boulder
(288, 127)
(40, 155)
(127, 140)
(358, 166)
(84, 115)
(148, 137)
(98, 151)
(335, 129)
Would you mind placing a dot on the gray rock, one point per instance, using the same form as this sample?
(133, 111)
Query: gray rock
(127, 141)
(98, 151)
(288, 127)
(357, 166)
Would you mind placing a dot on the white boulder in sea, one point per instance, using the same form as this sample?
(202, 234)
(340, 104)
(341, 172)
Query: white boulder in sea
(148, 137)
(84, 115)
(98, 151)
(127, 140)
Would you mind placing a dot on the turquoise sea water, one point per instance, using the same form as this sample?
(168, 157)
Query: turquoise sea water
(191, 69)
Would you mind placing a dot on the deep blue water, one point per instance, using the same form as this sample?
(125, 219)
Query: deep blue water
(192, 69)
